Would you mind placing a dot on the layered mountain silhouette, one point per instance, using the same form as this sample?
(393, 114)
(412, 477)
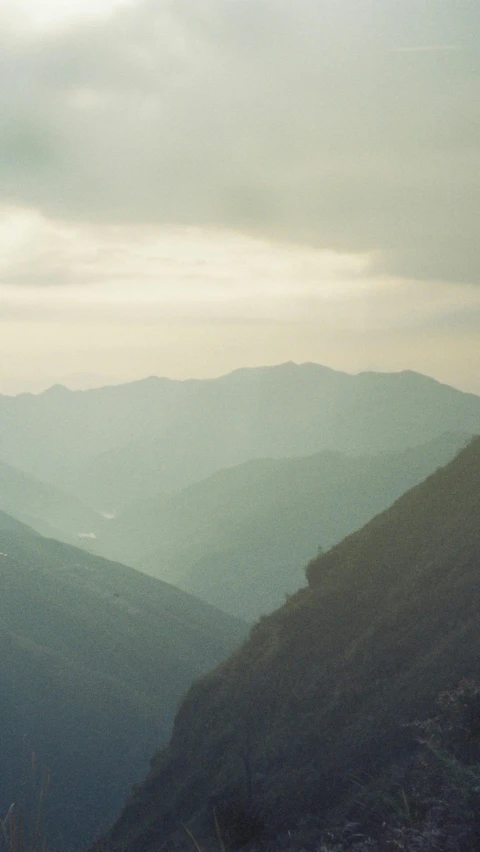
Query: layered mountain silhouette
(49, 510)
(226, 487)
(116, 444)
(241, 538)
(319, 696)
(95, 657)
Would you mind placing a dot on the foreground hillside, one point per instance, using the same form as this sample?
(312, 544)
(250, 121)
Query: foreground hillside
(95, 657)
(113, 445)
(317, 700)
(240, 539)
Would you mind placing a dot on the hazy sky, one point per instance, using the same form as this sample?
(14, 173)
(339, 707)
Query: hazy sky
(189, 186)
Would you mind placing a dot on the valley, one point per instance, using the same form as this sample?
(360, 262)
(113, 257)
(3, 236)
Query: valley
(99, 656)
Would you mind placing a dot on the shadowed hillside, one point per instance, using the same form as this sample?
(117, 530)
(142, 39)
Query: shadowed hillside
(318, 697)
(95, 657)
(240, 539)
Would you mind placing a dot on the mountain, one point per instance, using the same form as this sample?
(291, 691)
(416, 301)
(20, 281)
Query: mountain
(241, 538)
(95, 657)
(315, 704)
(51, 433)
(113, 445)
(47, 509)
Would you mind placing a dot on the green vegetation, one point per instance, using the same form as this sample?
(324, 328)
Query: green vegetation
(95, 657)
(319, 703)
(21, 827)
(241, 538)
(431, 801)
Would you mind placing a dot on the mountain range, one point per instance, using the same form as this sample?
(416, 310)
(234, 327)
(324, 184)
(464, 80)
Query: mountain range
(322, 696)
(112, 445)
(228, 488)
(241, 538)
(95, 657)
(49, 510)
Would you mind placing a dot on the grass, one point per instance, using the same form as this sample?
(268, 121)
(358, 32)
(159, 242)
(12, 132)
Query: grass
(21, 828)
(433, 805)
(16, 835)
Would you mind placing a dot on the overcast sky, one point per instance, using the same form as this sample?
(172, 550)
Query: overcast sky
(189, 186)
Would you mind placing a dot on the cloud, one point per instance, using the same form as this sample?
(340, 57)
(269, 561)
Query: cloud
(311, 121)
(93, 275)
(156, 273)
(426, 48)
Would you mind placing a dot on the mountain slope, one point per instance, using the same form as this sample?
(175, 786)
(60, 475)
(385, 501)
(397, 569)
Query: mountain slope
(48, 510)
(57, 432)
(113, 445)
(289, 410)
(95, 657)
(322, 690)
(241, 538)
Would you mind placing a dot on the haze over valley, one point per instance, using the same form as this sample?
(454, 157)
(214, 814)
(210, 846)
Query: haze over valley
(239, 426)
(226, 487)
(327, 691)
(245, 479)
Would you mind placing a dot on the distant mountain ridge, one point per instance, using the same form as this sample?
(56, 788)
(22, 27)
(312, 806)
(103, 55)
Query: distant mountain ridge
(241, 538)
(95, 657)
(50, 511)
(113, 445)
(320, 695)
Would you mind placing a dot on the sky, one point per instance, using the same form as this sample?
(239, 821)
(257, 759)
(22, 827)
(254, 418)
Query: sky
(191, 186)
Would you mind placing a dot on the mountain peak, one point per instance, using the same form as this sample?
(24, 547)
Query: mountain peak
(56, 390)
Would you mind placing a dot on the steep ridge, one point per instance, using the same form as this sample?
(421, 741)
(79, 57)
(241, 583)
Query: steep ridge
(95, 657)
(113, 445)
(240, 539)
(322, 690)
